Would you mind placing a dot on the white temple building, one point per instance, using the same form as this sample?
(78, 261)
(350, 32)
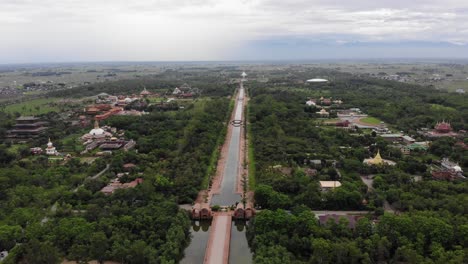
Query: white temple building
(96, 133)
(50, 150)
(244, 75)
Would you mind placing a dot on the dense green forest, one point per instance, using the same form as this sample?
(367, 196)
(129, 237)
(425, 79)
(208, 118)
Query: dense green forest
(209, 83)
(286, 135)
(417, 237)
(55, 211)
(51, 211)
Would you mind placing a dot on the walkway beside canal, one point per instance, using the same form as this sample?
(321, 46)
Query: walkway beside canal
(217, 250)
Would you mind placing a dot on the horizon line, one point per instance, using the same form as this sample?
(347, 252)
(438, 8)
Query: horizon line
(408, 59)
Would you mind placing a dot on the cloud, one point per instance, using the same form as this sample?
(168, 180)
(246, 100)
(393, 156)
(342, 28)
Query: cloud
(87, 30)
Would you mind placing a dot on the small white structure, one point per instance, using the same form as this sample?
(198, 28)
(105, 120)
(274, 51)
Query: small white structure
(447, 164)
(326, 186)
(460, 91)
(177, 91)
(50, 150)
(323, 113)
(311, 103)
(3, 255)
(244, 75)
(317, 80)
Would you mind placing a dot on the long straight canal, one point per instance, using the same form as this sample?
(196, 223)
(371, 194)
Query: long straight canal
(227, 194)
(235, 241)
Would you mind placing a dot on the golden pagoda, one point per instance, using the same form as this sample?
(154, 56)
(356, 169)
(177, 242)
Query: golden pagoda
(377, 160)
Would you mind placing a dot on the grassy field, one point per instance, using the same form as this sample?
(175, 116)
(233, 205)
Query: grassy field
(157, 99)
(371, 120)
(33, 107)
(438, 107)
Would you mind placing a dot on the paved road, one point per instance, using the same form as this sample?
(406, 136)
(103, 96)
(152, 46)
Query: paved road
(95, 176)
(218, 248)
(369, 181)
(227, 194)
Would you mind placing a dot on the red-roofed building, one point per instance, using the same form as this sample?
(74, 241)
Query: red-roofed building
(443, 127)
(129, 166)
(116, 184)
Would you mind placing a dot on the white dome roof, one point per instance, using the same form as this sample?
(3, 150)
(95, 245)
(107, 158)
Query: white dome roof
(317, 80)
(96, 131)
(457, 168)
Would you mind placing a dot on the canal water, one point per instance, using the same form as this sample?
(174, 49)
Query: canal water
(239, 251)
(195, 252)
(227, 195)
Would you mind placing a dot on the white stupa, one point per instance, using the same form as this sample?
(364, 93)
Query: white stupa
(50, 150)
(96, 131)
(243, 76)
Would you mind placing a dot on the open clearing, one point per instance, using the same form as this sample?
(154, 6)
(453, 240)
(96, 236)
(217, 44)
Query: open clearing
(33, 107)
(371, 120)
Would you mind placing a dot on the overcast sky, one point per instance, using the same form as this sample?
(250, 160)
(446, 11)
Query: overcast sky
(185, 30)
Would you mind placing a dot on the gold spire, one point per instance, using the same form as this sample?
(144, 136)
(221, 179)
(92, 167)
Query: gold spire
(96, 124)
(377, 159)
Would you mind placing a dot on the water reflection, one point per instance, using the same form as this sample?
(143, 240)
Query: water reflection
(195, 252)
(239, 251)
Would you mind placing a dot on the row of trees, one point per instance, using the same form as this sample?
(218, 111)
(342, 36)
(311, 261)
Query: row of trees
(423, 237)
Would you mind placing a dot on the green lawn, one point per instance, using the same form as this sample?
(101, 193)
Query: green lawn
(371, 120)
(157, 99)
(33, 107)
(439, 107)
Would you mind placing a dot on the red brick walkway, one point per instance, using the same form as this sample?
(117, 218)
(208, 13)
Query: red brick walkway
(217, 250)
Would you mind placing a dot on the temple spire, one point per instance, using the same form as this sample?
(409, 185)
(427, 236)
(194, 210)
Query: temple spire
(96, 124)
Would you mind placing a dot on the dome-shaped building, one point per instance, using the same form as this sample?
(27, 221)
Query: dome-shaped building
(378, 160)
(96, 131)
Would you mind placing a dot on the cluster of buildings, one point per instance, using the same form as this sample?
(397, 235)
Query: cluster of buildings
(447, 170)
(441, 129)
(115, 184)
(323, 102)
(108, 105)
(50, 150)
(184, 91)
(395, 77)
(104, 139)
